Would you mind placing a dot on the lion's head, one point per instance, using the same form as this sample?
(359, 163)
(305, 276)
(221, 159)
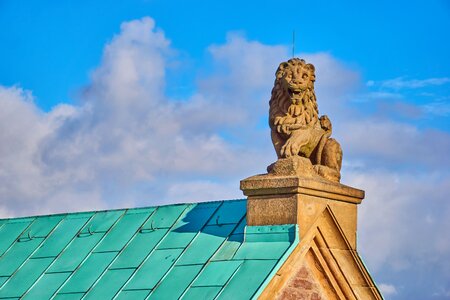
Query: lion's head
(293, 97)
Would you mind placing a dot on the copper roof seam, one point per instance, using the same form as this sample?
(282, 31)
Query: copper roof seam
(90, 252)
(151, 252)
(228, 281)
(209, 260)
(181, 254)
(32, 253)
(278, 265)
(118, 252)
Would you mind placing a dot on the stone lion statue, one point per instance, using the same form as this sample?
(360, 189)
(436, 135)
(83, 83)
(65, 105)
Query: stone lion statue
(296, 128)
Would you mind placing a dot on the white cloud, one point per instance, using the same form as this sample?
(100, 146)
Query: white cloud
(403, 83)
(442, 293)
(192, 191)
(239, 85)
(394, 144)
(395, 230)
(248, 62)
(380, 96)
(25, 184)
(127, 144)
(403, 221)
(387, 289)
(438, 108)
(334, 83)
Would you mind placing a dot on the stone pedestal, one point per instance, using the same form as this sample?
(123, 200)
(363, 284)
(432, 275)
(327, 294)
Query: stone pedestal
(294, 199)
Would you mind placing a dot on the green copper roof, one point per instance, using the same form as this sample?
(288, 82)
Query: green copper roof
(185, 251)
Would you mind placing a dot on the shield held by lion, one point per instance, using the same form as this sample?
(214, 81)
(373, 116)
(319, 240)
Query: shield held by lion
(296, 128)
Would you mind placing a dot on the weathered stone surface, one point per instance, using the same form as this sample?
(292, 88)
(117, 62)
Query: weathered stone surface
(293, 166)
(270, 184)
(296, 128)
(274, 199)
(272, 210)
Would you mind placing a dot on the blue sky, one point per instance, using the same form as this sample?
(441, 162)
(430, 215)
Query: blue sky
(51, 47)
(109, 104)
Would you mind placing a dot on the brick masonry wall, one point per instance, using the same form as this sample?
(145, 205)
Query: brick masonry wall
(302, 286)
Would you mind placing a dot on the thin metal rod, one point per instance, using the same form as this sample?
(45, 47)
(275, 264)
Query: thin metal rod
(293, 43)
